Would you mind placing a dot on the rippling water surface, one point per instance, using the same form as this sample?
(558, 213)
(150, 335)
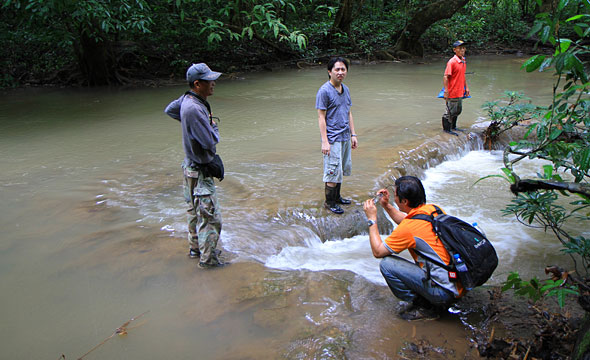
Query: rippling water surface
(93, 224)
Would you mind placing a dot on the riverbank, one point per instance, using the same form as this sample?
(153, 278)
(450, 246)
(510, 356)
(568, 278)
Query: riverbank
(513, 327)
(155, 76)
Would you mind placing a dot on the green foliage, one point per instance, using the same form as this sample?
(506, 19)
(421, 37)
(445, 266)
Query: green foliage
(94, 18)
(82, 31)
(330, 10)
(168, 34)
(560, 136)
(511, 110)
(480, 22)
(177, 30)
(28, 54)
(238, 21)
(579, 245)
(538, 206)
(535, 289)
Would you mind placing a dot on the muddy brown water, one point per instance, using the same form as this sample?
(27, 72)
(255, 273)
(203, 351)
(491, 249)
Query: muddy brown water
(93, 228)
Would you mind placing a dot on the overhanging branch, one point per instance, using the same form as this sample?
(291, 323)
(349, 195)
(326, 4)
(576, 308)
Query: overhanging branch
(527, 185)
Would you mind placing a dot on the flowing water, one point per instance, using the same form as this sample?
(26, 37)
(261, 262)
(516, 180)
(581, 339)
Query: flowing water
(93, 224)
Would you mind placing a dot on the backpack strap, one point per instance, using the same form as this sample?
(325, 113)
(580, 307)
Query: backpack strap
(437, 211)
(430, 219)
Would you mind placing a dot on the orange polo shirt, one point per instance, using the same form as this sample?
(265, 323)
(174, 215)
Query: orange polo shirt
(403, 237)
(455, 70)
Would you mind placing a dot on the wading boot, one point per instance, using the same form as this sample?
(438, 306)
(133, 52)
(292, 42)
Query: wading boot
(340, 199)
(330, 203)
(454, 125)
(215, 261)
(203, 265)
(446, 124)
(196, 253)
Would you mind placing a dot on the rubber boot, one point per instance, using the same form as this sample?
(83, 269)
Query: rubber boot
(447, 126)
(340, 199)
(454, 124)
(330, 204)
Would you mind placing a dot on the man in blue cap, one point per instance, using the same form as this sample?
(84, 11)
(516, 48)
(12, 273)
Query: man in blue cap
(455, 87)
(200, 135)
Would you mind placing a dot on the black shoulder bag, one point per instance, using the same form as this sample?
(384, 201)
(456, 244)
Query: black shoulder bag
(214, 168)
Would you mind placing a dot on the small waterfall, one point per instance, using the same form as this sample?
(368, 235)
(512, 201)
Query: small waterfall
(413, 162)
(331, 227)
(449, 167)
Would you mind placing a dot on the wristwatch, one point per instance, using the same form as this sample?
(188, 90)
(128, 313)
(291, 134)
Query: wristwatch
(370, 223)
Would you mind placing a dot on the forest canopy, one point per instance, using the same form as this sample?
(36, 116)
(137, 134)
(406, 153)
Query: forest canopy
(106, 42)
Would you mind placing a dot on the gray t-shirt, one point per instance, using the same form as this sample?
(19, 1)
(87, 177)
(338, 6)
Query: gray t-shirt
(337, 106)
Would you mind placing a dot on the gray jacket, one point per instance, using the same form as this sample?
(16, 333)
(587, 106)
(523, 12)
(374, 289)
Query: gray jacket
(199, 133)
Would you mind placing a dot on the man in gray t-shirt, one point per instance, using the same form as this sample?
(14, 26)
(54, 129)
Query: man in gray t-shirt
(337, 132)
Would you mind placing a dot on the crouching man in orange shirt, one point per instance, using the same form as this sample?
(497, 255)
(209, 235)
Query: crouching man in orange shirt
(425, 288)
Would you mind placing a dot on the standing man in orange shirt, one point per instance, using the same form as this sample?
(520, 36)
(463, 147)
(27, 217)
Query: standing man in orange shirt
(455, 87)
(423, 286)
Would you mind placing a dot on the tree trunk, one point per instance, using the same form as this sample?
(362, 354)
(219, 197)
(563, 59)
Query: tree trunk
(409, 40)
(548, 6)
(343, 17)
(95, 62)
(96, 59)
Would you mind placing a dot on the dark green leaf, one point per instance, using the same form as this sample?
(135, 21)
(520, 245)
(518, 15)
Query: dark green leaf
(533, 63)
(545, 33)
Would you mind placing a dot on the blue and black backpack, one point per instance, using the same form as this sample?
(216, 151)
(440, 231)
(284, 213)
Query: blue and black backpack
(473, 247)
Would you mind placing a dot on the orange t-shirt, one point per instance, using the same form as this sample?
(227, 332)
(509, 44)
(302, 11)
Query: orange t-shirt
(455, 70)
(405, 234)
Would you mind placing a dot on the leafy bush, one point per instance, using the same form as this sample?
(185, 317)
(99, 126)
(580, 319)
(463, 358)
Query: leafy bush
(479, 23)
(535, 289)
(561, 136)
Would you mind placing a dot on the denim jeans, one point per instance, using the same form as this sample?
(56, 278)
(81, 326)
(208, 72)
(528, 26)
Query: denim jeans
(405, 279)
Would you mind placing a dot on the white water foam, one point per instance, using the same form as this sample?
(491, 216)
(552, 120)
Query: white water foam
(450, 184)
(352, 254)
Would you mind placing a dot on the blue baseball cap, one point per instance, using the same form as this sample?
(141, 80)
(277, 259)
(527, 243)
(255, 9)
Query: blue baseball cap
(201, 71)
(459, 43)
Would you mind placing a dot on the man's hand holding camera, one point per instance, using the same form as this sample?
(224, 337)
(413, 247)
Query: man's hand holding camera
(370, 206)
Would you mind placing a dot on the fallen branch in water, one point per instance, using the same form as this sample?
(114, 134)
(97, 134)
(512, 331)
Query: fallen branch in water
(121, 330)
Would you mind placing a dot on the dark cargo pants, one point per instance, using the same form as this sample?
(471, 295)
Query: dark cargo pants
(453, 110)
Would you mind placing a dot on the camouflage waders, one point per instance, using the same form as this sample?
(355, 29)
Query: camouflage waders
(204, 216)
